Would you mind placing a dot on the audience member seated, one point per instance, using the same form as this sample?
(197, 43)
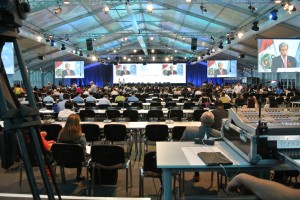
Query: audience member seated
(271, 102)
(61, 104)
(251, 102)
(120, 97)
(48, 98)
(132, 98)
(64, 114)
(90, 98)
(224, 98)
(71, 133)
(203, 132)
(103, 100)
(219, 114)
(240, 100)
(204, 100)
(78, 98)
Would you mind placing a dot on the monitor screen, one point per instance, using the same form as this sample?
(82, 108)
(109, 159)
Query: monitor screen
(8, 57)
(278, 55)
(69, 69)
(150, 73)
(221, 68)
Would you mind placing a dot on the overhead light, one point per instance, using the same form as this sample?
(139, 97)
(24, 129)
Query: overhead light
(134, 50)
(212, 50)
(57, 10)
(149, 7)
(202, 8)
(105, 9)
(188, 1)
(39, 38)
(63, 47)
(289, 8)
(152, 50)
(151, 38)
(66, 2)
(115, 51)
(153, 58)
(166, 59)
(251, 8)
(94, 58)
(240, 34)
(255, 27)
(221, 45)
(277, 1)
(273, 15)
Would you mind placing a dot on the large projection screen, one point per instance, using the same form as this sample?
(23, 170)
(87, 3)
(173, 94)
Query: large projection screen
(150, 73)
(278, 55)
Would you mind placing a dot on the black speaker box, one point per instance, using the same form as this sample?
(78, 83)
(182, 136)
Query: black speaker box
(89, 44)
(194, 44)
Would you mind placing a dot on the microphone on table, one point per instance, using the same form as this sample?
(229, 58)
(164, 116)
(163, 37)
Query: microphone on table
(106, 120)
(169, 120)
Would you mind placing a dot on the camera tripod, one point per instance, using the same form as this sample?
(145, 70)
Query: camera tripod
(20, 118)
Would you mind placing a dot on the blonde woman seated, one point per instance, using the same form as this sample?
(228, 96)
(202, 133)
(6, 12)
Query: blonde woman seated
(72, 134)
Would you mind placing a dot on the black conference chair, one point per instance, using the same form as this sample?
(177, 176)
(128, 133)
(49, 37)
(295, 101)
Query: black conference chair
(188, 105)
(150, 170)
(52, 131)
(227, 105)
(90, 105)
(154, 133)
(177, 132)
(175, 114)
(197, 114)
(103, 106)
(170, 104)
(155, 115)
(118, 133)
(87, 115)
(92, 132)
(112, 114)
(108, 157)
(133, 115)
(68, 156)
(137, 104)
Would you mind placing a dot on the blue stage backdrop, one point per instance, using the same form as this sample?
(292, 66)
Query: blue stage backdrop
(101, 74)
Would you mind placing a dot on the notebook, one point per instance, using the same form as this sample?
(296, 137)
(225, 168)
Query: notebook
(214, 158)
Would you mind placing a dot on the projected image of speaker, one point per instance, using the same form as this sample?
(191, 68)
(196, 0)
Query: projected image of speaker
(89, 44)
(194, 44)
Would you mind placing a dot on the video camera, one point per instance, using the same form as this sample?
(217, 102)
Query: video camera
(12, 12)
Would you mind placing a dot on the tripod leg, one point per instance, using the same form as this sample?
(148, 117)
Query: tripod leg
(27, 165)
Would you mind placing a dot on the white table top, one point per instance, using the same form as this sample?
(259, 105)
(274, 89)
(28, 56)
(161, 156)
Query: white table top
(139, 125)
(176, 159)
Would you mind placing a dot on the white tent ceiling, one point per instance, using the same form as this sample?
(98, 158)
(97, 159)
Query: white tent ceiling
(128, 26)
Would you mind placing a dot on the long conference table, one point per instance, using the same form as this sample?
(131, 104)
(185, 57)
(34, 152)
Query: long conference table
(182, 156)
(138, 126)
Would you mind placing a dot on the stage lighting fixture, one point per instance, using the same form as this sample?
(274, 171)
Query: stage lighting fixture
(208, 52)
(212, 38)
(273, 15)
(221, 45)
(251, 8)
(80, 53)
(202, 8)
(63, 47)
(57, 10)
(255, 27)
(228, 41)
(52, 43)
(241, 55)
(66, 2)
(41, 56)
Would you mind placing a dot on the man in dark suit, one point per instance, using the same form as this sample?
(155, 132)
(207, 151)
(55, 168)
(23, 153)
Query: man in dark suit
(125, 71)
(283, 61)
(172, 71)
(220, 71)
(67, 71)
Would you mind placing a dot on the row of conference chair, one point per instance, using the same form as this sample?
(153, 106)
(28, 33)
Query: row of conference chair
(132, 115)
